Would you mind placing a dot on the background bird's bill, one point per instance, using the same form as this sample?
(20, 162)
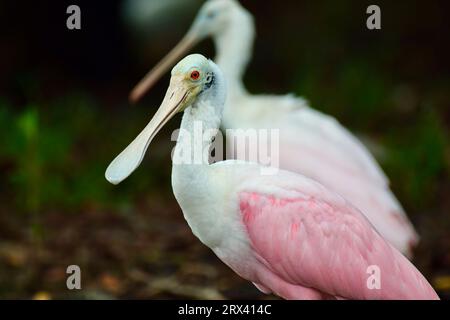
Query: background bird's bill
(188, 41)
(175, 100)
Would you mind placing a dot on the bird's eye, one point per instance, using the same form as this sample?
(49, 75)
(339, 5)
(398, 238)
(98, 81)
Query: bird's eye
(195, 75)
(211, 14)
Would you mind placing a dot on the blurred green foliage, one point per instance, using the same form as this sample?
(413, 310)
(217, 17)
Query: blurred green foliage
(56, 156)
(417, 159)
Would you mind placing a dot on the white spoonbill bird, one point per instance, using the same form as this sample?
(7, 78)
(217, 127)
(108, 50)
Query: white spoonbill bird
(285, 233)
(311, 143)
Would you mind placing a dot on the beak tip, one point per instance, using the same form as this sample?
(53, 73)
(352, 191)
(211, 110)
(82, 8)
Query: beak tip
(111, 179)
(114, 182)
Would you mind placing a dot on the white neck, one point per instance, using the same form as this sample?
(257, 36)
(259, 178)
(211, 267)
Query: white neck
(234, 46)
(192, 184)
(198, 121)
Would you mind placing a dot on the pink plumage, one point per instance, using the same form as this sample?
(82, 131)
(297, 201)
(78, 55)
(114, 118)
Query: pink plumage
(319, 248)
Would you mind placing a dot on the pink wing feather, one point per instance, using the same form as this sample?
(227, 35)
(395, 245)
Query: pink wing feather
(316, 247)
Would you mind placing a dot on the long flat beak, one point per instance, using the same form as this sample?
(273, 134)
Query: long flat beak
(176, 98)
(189, 40)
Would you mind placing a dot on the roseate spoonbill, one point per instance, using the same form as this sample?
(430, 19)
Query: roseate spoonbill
(286, 233)
(311, 143)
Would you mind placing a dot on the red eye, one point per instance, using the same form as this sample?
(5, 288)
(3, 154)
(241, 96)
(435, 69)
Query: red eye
(195, 75)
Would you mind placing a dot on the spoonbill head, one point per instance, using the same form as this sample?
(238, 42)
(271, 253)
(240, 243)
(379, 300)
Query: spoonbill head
(191, 77)
(214, 19)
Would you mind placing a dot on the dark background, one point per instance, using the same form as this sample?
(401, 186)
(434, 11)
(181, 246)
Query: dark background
(64, 116)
